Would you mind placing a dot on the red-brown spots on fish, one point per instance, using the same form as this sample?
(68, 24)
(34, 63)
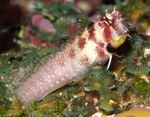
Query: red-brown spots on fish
(71, 53)
(107, 34)
(100, 44)
(91, 33)
(102, 24)
(100, 52)
(81, 43)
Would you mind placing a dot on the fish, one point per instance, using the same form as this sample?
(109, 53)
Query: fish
(76, 58)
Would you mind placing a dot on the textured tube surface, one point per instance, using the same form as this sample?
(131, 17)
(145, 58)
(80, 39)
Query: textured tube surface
(54, 74)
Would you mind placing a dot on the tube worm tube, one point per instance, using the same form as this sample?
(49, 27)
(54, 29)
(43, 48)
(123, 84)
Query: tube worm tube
(76, 58)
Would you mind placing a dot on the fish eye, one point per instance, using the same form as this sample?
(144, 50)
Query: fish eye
(110, 48)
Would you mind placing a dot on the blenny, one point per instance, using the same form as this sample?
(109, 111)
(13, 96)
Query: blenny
(76, 58)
